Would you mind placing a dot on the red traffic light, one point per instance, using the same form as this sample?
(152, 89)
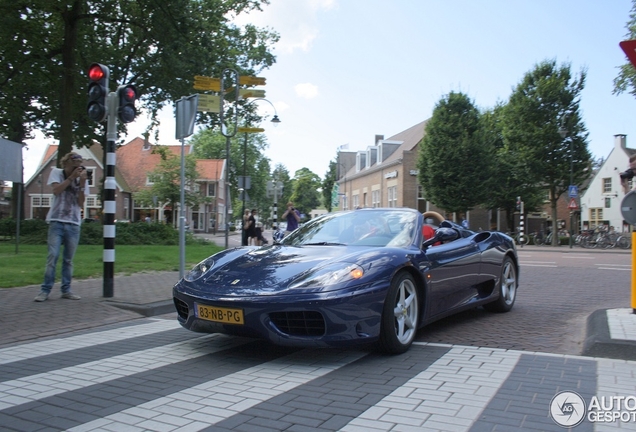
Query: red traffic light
(98, 75)
(129, 93)
(96, 72)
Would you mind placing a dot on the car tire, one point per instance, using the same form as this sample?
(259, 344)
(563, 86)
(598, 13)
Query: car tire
(400, 315)
(507, 288)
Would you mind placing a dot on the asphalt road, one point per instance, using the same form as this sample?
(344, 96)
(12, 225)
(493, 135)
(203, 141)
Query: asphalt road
(558, 290)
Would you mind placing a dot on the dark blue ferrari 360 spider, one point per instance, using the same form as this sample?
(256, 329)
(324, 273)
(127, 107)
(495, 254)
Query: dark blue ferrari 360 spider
(353, 277)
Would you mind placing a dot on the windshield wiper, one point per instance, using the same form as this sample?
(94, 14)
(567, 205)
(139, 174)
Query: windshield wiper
(323, 244)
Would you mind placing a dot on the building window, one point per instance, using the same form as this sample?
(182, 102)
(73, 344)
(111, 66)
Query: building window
(375, 198)
(596, 216)
(608, 202)
(356, 201)
(149, 181)
(211, 189)
(607, 185)
(40, 201)
(420, 192)
(392, 196)
(90, 176)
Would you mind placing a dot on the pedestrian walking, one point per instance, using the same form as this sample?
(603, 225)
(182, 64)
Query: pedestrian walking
(292, 216)
(252, 236)
(244, 227)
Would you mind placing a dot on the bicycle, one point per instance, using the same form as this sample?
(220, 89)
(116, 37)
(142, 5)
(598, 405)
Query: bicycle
(516, 236)
(540, 239)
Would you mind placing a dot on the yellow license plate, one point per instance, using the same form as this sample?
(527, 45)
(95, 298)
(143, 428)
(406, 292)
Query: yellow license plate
(220, 314)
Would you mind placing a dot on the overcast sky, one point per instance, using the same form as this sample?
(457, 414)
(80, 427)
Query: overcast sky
(348, 70)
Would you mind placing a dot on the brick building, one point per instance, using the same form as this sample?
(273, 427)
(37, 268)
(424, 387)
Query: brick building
(386, 175)
(134, 161)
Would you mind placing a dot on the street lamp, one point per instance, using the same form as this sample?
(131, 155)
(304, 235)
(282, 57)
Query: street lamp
(41, 183)
(563, 132)
(276, 121)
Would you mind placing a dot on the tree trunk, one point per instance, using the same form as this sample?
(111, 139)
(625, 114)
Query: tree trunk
(555, 231)
(70, 17)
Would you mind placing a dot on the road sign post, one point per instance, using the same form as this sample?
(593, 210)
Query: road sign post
(573, 205)
(186, 113)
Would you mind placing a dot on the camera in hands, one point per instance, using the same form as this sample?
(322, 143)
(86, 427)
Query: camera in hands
(89, 174)
(628, 174)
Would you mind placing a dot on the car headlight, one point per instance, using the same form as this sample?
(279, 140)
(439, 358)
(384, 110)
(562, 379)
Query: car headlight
(199, 269)
(329, 275)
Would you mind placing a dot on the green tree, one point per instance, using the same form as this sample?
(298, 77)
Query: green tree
(510, 178)
(305, 194)
(247, 157)
(166, 183)
(453, 160)
(47, 47)
(626, 79)
(543, 126)
(328, 185)
(281, 174)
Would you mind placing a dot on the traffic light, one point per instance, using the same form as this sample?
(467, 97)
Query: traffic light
(127, 95)
(518, 203)
(97, 92)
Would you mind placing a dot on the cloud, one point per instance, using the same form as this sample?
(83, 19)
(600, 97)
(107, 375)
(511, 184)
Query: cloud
(297, 33)
(306, 90)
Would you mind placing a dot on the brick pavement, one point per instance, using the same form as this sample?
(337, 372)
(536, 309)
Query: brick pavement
(22, 319)
(152, 375)
(135, 373)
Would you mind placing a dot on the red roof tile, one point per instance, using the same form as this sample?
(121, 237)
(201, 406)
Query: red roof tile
(209, 169)
(136, 159)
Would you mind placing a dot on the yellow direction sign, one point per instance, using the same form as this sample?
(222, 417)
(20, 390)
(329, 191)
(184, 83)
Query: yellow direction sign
(207, 83)
(250, 130)
(251, 80)
(251, 93)
(209, 103)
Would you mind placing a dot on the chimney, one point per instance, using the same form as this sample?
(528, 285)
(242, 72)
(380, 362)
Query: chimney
(146, 142)
(620, 141)
(378, 138)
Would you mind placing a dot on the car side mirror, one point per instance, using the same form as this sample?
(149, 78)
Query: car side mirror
(442, 234)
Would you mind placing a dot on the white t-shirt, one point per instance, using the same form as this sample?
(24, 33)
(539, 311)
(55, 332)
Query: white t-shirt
(65, 207)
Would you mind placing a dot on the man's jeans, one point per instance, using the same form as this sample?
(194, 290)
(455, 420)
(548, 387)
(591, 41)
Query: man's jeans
(61, 234)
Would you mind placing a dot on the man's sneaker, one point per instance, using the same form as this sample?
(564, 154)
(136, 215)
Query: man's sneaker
(41, 297)
(69, 295)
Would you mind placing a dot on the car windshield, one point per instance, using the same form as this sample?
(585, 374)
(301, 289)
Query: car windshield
(378, 228)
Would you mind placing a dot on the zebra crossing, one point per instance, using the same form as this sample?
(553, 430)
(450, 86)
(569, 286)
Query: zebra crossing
(152, 375)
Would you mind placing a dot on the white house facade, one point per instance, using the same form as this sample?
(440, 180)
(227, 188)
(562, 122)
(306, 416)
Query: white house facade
(601, 201)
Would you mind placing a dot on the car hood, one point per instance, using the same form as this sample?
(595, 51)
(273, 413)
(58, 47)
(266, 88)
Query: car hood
(271, 269)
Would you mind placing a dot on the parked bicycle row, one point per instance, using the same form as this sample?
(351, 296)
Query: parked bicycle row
(595, 238)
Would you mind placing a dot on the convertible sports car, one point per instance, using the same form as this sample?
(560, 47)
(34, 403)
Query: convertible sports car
(354, 277)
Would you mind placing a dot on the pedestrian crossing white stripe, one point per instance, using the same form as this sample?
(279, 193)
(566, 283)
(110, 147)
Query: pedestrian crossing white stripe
(50, 383)
(613, 268)
(449, 395)
(59, 345)
(206, 404)
(615, 378)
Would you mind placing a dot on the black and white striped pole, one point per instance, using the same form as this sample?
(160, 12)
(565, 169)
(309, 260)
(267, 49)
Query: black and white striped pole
(521, 222)
(110, 205)
(275, 214)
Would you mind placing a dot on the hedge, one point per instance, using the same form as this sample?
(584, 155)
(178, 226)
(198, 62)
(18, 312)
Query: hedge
(34, 231)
